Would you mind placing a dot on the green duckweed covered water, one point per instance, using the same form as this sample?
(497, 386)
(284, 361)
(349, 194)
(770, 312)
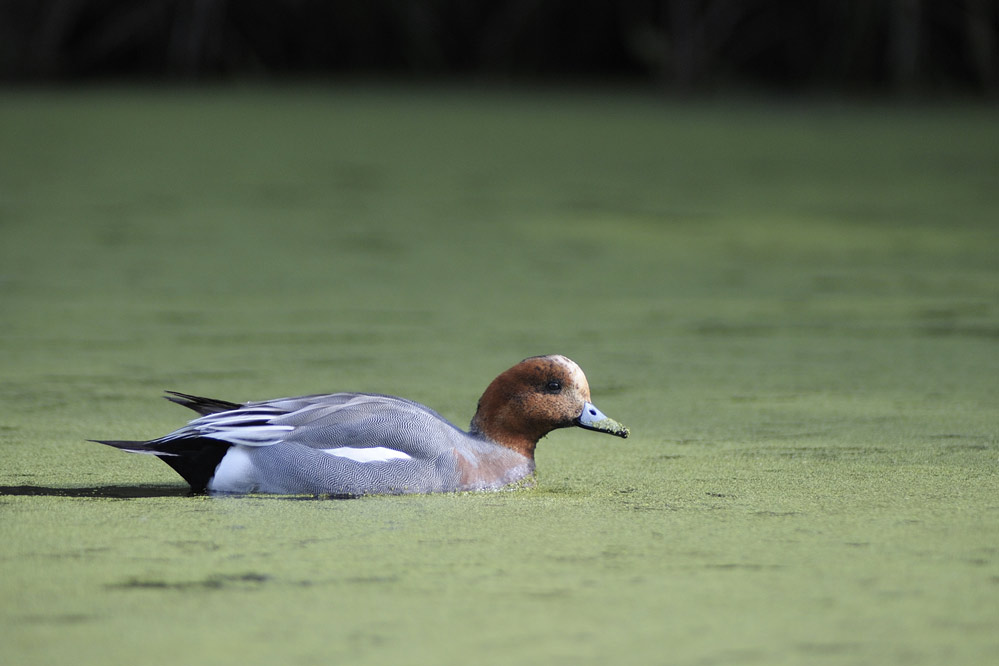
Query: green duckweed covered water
(794, 308)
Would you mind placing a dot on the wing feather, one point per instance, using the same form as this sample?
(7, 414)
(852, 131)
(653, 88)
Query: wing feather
(339, 421)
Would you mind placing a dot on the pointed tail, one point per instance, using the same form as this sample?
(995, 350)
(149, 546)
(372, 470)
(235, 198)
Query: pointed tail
(194, 458)
(203, 406)
(134, 447)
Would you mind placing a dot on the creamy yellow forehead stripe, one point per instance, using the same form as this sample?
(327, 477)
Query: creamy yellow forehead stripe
(574, 371)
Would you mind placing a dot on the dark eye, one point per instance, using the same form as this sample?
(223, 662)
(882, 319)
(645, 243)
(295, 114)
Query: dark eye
(553, 386)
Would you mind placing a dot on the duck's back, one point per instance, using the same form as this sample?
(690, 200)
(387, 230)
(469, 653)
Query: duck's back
(349, 444)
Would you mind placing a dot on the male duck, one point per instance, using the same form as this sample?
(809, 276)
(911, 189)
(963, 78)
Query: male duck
(350, 444)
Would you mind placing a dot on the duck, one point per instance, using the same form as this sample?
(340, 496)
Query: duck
(346, 445)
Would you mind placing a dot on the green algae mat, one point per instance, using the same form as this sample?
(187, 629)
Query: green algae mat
(794, 307)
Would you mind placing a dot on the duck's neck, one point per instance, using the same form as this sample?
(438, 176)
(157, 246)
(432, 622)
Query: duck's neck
(523, 442)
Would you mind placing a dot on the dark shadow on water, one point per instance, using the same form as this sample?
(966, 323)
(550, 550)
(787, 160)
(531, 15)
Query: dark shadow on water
(100, 492)
(211, 583)
(139, 492)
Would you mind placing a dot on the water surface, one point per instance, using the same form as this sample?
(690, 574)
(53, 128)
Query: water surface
(795, 308)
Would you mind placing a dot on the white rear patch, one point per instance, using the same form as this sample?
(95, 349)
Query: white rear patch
(370, 454)
(234, 473)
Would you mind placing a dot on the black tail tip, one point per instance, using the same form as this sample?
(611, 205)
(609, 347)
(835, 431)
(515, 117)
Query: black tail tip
(138, 446)
(203, 406)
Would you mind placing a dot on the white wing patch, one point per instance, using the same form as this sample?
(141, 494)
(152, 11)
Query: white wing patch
(370, 454)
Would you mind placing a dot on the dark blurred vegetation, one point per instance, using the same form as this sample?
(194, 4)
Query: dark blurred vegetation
(852, 45)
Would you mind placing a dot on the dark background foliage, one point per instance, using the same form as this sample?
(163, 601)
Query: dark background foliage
(856, 45)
